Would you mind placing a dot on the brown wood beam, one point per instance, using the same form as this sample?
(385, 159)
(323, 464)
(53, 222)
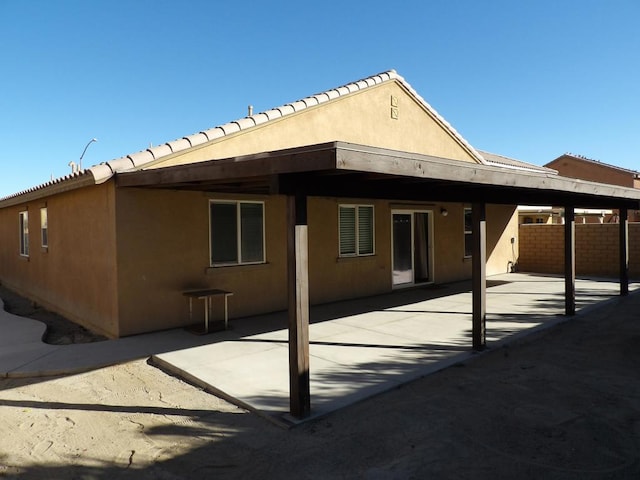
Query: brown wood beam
(569, 261)
(298, 287)
(624, 251)
(230, 169)
(352, 184)
(479, 275)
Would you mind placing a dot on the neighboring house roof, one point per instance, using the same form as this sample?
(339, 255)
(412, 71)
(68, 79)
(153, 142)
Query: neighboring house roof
(502, 161)
(584, 159)
(136, 161)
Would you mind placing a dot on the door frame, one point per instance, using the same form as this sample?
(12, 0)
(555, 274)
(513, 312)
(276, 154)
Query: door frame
(430, 246)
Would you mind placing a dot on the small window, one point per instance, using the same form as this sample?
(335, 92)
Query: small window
(24, 233)
(44, 227)
(356, 230)
(236, 232)
(468, 232)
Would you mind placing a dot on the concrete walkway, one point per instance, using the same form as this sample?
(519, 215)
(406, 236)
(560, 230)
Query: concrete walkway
(358, 348)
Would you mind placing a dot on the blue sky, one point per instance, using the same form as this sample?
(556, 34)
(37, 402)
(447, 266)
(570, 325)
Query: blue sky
(530, 79)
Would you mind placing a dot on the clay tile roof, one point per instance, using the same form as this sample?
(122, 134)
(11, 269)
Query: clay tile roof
(140, 160)
(241, 124)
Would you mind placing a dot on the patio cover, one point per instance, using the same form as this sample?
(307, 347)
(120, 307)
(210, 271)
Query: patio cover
(349, 170)
(339, 169)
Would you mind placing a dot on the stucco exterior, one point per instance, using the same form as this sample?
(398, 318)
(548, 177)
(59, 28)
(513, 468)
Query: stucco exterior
(119, 258)
(163, 249)
(363, 118)
(76, 275)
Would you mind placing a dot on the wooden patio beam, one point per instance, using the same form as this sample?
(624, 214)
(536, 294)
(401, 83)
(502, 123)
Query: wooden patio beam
(624, 251)
(479, 275)
(298, 293)
(569, 260)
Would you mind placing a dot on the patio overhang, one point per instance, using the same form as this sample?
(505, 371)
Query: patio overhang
(356, 171)
(339, 169)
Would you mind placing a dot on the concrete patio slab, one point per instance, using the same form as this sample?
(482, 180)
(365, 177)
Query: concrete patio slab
(364, 347)
(358, 348)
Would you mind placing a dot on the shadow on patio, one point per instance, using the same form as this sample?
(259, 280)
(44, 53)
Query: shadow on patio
(360, 348)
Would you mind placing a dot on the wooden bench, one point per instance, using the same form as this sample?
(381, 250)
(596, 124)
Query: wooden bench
(207, 295)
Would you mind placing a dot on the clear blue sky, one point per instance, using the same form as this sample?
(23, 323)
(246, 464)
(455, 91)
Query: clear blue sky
(530, 79)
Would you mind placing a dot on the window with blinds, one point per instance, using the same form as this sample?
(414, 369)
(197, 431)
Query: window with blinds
(236, 232)
(356, 230)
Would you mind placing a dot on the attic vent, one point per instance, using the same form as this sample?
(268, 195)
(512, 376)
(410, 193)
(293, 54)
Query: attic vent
(394, 107)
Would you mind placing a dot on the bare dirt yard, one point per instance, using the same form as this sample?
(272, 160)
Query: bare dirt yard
(562, 405)
(60, 331)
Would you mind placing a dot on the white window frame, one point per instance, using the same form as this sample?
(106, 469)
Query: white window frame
(356, 208)
(23, 222)
(44, 227)
(238, 204)
(468, 234)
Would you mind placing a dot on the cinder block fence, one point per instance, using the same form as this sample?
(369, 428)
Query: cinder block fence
(541, 249)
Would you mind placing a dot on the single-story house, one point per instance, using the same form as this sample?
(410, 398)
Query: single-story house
(355, 191)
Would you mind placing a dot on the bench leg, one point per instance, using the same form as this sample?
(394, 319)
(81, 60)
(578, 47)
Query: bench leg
(206, 314)
(226, 313)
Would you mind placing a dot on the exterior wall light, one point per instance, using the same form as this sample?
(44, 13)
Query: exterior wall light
(444, 212)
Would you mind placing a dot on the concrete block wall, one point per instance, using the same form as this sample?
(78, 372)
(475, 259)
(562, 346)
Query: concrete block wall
(597, 253)
(541, 248)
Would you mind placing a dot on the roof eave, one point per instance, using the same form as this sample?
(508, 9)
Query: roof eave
(80, 180)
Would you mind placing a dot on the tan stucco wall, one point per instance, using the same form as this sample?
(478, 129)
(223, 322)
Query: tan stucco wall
(75, 276)
(363, 118)
(333, 278)
(133, 284)
(502, 227)
(451, 264)
(163, 249)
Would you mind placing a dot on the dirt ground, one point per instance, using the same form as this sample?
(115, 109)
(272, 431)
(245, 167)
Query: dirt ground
(562, 405)
(60, 331)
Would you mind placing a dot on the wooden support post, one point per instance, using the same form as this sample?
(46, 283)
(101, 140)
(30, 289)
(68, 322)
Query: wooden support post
(624, 251)
(569, 261)
(298, 285)
(479, 275)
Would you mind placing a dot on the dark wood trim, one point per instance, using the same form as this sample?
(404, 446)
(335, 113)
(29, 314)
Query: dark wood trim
(298, 286)
(569, 260)
(348, 170)
(479, 279)
(624, 251)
